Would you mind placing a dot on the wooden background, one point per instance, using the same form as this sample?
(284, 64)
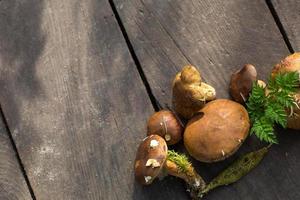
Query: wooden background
(79, 79)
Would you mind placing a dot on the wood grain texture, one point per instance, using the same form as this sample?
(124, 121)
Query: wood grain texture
(12, 182)
(73, 98)
(218, 37)
(288, 13)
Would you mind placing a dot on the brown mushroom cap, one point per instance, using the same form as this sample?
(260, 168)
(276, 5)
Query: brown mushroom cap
(189, 74)
(218, 132)
(150, 159)
(289, 64)
(241, 83)
(165, 124)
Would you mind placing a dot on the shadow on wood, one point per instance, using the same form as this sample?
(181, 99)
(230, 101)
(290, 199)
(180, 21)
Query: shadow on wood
(22, 42)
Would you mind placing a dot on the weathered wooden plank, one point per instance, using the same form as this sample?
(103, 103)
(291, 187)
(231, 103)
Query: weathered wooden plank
(218, 37)
(288, 13)
(12, 182)
(73, 98)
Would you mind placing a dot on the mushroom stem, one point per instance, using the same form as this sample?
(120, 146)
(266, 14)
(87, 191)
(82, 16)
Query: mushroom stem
(179, 166)
(190, 176)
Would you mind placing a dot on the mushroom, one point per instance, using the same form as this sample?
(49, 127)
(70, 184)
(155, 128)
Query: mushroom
(218, 132)
(241, 83)
(154, 160)
(165, 124)
(290, 64)
(189, 92)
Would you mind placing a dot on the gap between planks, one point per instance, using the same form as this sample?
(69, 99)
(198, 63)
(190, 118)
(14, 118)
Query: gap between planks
(279, 25)
(156, 105)
(21, 165)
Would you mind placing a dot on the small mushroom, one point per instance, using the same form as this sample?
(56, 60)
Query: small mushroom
(189, 92)
(241, 83)
(153, 149)
(218, 132)
(289, 64)
(165, 124)
(152, 162)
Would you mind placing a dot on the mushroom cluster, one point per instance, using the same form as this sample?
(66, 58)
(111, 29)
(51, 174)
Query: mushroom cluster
(214, 132)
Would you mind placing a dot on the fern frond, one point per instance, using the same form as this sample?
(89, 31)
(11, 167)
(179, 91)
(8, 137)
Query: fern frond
(267, 110)
(264, 130)
(288, 81)
(256, 102)
(277, 114)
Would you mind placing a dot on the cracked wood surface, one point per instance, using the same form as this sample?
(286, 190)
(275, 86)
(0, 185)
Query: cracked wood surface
(73, 98)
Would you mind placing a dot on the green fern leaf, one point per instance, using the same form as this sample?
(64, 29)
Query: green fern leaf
(267, 110)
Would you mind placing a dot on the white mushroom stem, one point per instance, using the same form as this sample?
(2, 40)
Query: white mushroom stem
(190, 176)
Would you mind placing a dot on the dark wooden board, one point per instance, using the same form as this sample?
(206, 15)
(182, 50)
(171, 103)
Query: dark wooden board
(72, 96)
(12, 182)
(288, 13)
(218, 37)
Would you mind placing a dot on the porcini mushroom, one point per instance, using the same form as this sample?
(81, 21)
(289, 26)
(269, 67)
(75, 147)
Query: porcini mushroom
(218, 132)
(153, 159)
(165, 124)
(289, 64)
(241, 83)
(189, 92)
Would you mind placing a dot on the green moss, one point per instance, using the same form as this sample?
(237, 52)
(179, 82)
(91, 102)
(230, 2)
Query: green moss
(180, 160)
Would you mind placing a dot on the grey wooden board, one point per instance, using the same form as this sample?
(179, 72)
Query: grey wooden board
(288, 12)
(73, 98)
(218, 37)
(12, 182)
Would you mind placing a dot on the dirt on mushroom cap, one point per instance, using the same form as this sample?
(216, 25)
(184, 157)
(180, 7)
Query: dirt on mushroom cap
(154, 148)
